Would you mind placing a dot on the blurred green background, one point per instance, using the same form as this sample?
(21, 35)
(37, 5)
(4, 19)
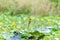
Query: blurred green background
(41, 7)
(35, 19)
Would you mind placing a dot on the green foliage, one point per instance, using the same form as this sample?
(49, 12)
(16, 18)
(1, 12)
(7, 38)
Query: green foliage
(10, 24)
(56, 2)
(26, 24)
